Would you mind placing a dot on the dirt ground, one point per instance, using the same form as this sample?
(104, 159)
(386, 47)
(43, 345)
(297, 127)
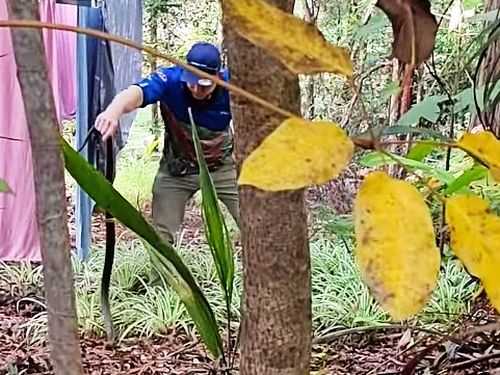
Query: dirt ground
(392, 351)
(472, 348)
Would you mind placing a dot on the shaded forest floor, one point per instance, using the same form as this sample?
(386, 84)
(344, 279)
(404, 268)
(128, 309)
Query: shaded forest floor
(378, 352)
(395, 350)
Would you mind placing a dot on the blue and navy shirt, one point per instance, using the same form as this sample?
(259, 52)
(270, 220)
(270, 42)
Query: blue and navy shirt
(212, 118)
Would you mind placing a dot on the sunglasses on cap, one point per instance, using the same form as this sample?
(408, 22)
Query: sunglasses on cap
(194, 79)
(205, 82)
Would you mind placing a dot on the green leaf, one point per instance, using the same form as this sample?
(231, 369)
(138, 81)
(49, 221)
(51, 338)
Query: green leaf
(391, 89)
(376, 25)
(215, 227)
(496, 99)
(378, 132)
(376, 159)
(170, 264)
(427, 109)
(4, 187)
(420, 151)
(465, 99)
(477, 172)
(491, 91)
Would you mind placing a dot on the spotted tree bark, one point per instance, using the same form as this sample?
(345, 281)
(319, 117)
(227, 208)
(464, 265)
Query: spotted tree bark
(276, 325)
(490, 71)
(49, 188)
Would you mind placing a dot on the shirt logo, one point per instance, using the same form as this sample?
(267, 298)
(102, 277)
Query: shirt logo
(162, 75)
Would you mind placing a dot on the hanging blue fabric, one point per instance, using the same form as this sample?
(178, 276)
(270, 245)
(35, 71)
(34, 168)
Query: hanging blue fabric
(83, 204)
(95, 92)
(124, 18)
(103, 70)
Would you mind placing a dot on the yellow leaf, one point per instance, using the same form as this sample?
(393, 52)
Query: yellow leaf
(395, 244)
(475, 239)
(297, 44)
(485, 147)
(298, 153)
(434, 183)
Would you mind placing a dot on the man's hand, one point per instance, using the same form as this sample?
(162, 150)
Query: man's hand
(107, 124)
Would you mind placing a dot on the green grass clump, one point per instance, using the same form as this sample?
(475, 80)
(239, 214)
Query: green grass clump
(339, 298)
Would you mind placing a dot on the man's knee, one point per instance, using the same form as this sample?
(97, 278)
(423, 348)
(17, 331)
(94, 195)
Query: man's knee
(170, 196)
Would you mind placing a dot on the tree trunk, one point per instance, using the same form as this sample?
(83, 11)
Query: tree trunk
(311, 12)
(276, 326)
(490, 67)
(395, 101)
(50, 190)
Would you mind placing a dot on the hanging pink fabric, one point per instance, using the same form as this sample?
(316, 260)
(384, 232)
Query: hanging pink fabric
(18, 229)
(60, 49)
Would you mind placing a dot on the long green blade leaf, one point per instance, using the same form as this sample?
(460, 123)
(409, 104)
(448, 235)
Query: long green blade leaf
(375, 159)
(215, 226)
(420, 151)
(380, 131)
(171, 266)
(476, 173)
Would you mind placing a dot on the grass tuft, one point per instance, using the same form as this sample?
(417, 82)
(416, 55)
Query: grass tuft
(139, 310)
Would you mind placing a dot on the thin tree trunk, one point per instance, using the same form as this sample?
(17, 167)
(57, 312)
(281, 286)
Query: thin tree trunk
(395, 103)
(276, 326)
(311, 12)
(490, 68)
(50, 190)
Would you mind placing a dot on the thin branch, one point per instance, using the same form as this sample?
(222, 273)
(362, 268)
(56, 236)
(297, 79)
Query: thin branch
(490, 327)
(357, 92)
(155, 53)
(350, 331)
(456, 337)
(414, 345)
(358, 88)
(411, 173)
(483, 358)
(433, 60)
(151, 51)
(483, 120)
(406, 141)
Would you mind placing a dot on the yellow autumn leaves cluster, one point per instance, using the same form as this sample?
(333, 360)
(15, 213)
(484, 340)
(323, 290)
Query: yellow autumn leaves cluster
(484, 147)
(396, 248)
(395, 240)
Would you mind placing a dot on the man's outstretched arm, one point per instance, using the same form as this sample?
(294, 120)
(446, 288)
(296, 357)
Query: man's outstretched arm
(126, 101)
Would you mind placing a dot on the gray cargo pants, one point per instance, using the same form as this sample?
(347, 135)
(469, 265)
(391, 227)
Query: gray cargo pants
(171, 194)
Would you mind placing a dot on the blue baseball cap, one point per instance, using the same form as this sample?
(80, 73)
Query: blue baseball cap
(204, 56)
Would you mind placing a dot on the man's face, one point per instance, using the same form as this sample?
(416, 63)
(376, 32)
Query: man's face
(201, 92)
